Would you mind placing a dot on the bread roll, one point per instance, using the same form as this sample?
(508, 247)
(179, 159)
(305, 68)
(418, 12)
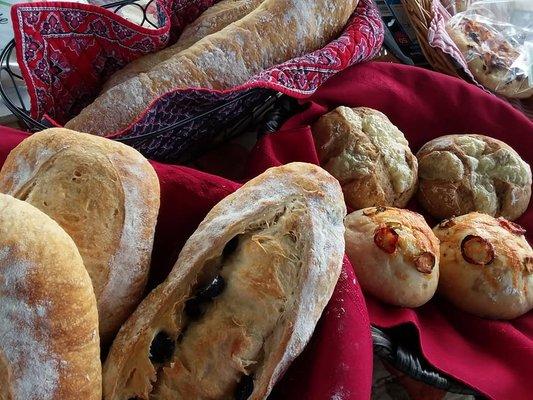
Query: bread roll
(106, 196)
(368, 155)
(243, 298)
(464, 173)
(394, 253)
(215, 18)
(49, 347)
(274, 32)
(486, 266)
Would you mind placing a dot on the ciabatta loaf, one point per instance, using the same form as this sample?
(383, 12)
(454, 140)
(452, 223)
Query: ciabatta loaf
(243, 298)
(274, 32)
(106, 196)
(49, 347)
(212, 20)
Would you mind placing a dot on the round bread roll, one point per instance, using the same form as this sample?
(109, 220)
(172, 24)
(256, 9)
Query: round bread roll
(368, 155)
(394, 253)
(105, 195)
(464, 173)
(486, 266)
(49, 340)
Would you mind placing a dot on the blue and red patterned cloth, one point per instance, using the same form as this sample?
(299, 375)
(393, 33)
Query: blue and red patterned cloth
(67, 50)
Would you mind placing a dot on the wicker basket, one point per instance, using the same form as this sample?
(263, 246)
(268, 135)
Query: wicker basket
(420, 15)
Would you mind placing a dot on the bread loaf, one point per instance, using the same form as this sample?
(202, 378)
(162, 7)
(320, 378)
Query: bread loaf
(49, 347)
(212, 20)
(106, 196)
(243, 297)
(274, 32)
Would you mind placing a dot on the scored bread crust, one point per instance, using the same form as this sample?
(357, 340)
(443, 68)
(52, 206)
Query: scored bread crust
(490, 57)
(106, 196)
(368, 155)
(212, 20)
(463, 173)
(318, 230)
(49, 321)
(502, 289)
(392, 277)
(222, 60)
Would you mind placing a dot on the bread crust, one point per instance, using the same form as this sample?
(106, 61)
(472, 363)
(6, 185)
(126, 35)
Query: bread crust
(312, 201)
(49, 329)
(502, 288)
(368, 155)
(225, 59)
(490, 57)
(393, 276)
(214, 19)
(463, 173)
(106, 196)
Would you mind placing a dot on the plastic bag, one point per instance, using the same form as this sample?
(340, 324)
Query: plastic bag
(496, 39)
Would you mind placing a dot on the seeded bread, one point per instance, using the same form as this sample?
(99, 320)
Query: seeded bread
(106, 196)
(222, 60)
(49, 346)
(486, 266)
(394, 253)
(243, 298)
(368, 155)
(464, 173)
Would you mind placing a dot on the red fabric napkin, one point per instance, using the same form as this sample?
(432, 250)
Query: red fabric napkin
(494, 357)
(337, 363)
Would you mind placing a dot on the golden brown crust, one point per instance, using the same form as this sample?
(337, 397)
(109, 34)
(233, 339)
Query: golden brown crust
(222, 60)
(368, 155)
(49, 330)
(490, 57)
(106, 196)
(394, 253)
(278, 280)
(485, 266)
(463, 173)
(212, 20)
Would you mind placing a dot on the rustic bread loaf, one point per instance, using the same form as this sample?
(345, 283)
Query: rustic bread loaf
(274, 32)
(49, 346)
(243, 298)
(486, 266)
(394, 253)
(212, 20)
(368, 155)
(106, 197)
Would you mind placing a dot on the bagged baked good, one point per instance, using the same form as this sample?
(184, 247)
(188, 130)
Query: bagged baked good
(274, 32)
(464, 173)
(49, 346)
(106, 197)
(394, 253)
(496, 46)
(243, 298)
(368, 155)
(486, 266)
(215, 18)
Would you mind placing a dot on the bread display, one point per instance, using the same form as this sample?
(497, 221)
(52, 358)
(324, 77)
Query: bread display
(106, 197)
(394, 253)
(222, 60)
(368, 155)
(491, 57)
(214, 19)
(243, 298)
(464, 173)
(486, 266)
(49, 346)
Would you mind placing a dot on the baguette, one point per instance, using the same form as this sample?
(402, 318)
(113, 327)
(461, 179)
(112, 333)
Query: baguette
(242, 299)
(212, 20)
(274, 32)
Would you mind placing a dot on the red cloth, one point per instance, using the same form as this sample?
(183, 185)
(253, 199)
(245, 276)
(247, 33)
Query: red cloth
(337, 363)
